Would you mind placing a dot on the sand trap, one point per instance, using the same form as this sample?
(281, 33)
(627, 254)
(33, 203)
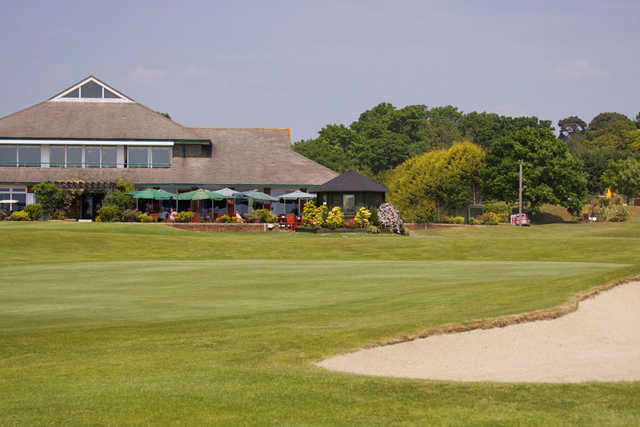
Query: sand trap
(598, 342)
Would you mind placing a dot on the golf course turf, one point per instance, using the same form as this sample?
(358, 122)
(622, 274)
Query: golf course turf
(144, 324)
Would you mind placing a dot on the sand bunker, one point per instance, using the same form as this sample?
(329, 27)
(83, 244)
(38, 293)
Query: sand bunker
(598, 342)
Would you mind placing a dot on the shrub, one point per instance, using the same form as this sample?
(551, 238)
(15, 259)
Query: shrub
(615, 213)
(502, 209)
(389, 217)
(253, 216)
(320, 218)
(59, 214)
(49, 196)
(374, 216)
(19, 216)
(143, 217)
(309, 210)
(34, 211)
(109, 213)
(362, 217)
(130, 215)
(235, 219)
(224, 219)
(119, 199)
(124, 186)
(335, 218)
(487, 218)
(3, 215)
(373, 229)
(185, 216)
(265, 215)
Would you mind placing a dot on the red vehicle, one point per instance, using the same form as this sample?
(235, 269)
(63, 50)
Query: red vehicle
(520, 220)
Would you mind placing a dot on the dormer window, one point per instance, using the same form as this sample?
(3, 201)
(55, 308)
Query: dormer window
(91, 90)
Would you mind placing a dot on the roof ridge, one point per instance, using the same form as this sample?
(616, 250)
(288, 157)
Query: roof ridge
(234, 128)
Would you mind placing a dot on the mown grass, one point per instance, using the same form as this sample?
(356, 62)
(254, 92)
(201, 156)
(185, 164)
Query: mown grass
(144, 324)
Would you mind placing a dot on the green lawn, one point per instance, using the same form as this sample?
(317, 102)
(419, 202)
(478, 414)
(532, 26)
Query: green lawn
(144, 324)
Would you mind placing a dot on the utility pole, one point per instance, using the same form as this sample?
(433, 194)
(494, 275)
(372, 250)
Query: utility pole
(520, 198)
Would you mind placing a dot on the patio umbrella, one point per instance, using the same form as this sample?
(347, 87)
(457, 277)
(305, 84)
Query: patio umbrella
(200, 194)
(9, 202)
(152, 194)
(296, 195)
(228, 193)
(259, 196)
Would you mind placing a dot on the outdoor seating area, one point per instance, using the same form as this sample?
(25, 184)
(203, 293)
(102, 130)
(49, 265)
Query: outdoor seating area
(221, 206)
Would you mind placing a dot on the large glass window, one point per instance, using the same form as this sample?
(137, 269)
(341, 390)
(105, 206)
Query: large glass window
(91, 90)
(73, 94)
(29, 155)
(109, 157)
(15, 199)
(161, 157)
(74, 156)
(92, 157)
(57, 156)
(8, 155)
(138, 157)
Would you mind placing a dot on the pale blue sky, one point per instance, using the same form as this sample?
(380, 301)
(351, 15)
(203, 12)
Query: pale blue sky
(303, 64)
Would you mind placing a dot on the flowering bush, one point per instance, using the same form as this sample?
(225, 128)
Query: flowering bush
(265, 215)
(130, 215)
(362, 217)
(143, 217)
(453, 220)
(34, 211)
(19, 216)
(320, 216)
(185, 216)
(335, 218)
(389, 217)
(487, 218)
(309, 211)
(223, 218)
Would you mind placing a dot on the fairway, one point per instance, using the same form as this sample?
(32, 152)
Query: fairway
(120, 324)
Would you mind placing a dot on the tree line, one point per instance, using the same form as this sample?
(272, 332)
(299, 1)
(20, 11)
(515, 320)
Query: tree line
(436, 159)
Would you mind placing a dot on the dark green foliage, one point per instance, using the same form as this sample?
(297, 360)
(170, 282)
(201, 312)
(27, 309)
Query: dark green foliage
(49, 196)
(551, 174)
(623, 176)
(34, 211)
(124, 186)
(384, 137)
(109, 213)
(119, 199)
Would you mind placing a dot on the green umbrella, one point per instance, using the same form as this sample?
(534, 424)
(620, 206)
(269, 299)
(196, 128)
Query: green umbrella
(228, 193)
(259, 196)
(295, 195)
(200, 194)
(150, 193)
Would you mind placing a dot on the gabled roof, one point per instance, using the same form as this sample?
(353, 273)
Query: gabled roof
(351, 181)
(92, 119)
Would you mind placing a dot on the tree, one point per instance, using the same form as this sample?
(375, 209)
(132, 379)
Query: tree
(49, 196)
(610, 129)
(570, 126)
(438, 180)
(551, 173)
(623, 176)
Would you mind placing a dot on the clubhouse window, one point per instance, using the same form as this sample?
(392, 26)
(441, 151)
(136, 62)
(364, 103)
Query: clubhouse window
(149, 157)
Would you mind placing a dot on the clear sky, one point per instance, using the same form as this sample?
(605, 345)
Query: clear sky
(304, 64)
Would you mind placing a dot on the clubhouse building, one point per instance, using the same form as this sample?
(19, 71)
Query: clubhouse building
(90, 135)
